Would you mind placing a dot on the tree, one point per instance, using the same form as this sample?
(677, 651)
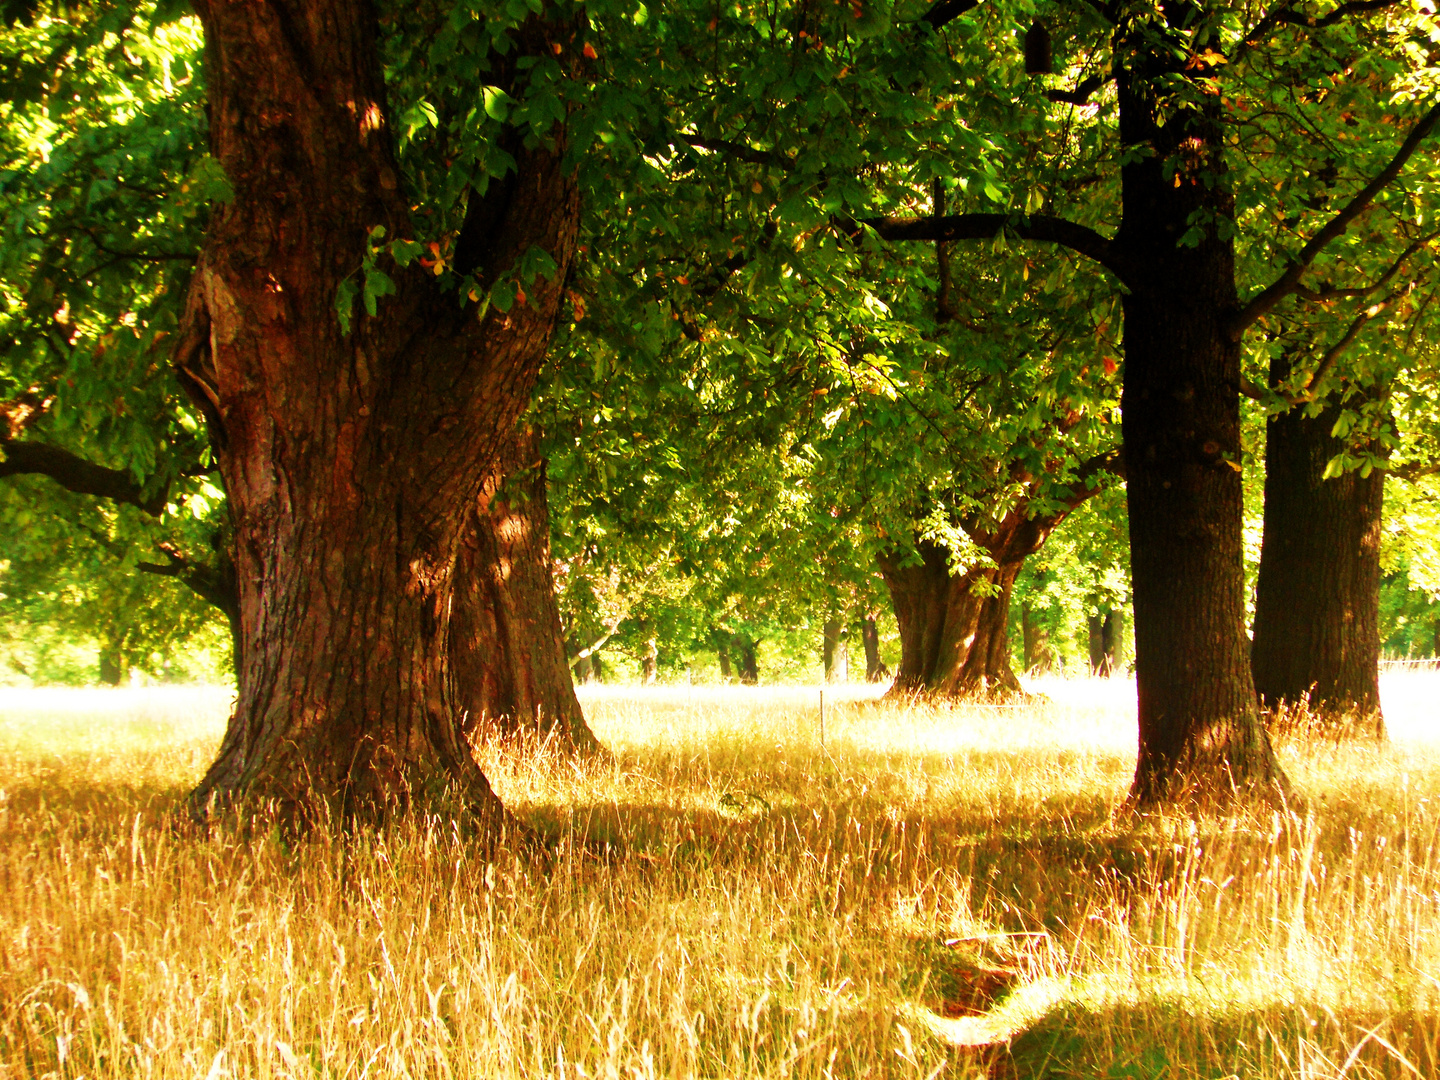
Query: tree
(506, 647)
(1317, 598)
(1188, 79)
(353, 449)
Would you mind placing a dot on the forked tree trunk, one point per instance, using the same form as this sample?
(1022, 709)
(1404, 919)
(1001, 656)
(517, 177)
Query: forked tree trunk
(1105, 631)
(1317, 599)
(954, 631)
(1200, 730)
(351, 462)
(507, 652)
(987, 671)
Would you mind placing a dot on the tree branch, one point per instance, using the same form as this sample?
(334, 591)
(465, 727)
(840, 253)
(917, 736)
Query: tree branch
(1040, 227)
(214, 584)
(78, 475)
(1289, 282)
(946, 11)
(1285, 13)
(1081, 94)
(740, 151)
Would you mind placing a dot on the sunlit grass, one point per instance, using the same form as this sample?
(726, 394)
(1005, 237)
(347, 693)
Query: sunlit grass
(931, 889)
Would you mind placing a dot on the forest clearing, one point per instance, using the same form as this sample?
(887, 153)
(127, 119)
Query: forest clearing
(937, 891)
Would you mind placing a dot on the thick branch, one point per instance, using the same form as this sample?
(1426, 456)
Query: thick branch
(1081, 94)
(214, 584)
(947, 10)
(1285, 13)
(78, 475)
(740, 151)
(1289, 282)
(1040, 227)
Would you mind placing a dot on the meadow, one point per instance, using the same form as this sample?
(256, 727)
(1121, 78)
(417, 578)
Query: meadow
(931, 892)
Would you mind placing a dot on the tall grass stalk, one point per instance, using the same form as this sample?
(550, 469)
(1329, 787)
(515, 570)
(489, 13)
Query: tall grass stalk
(936, 892)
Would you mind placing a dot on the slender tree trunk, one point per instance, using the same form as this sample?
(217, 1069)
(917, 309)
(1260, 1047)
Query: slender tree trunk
(1200, 730)
(1038, 656)
(747, 663)
(875, 669)
(834, 651)
(351, 461)
(114, 667)
(1095, 640)
(650, 661)
(507, 652)
(722, 656)
(1112, 640)
(1105, 632)
(1317, 600)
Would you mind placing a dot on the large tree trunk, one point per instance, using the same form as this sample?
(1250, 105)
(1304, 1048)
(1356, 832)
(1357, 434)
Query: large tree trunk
(987, 671)
(351, 462)
(507, 652)
(1317, 600)
(1200, 728)
(954, 634)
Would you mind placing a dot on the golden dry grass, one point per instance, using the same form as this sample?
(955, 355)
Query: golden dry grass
(935, 892)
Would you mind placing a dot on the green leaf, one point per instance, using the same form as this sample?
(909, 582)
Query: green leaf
(405, 252)
(345, 304)
(377, 284)
(497, 103)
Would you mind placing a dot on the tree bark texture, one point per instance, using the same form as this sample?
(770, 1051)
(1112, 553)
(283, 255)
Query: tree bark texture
(352, 463)
(1200, 730)
(954, 635)
(507, 652)
(1317, 599)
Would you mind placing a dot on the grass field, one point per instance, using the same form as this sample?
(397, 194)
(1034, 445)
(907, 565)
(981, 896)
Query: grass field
(934, 892)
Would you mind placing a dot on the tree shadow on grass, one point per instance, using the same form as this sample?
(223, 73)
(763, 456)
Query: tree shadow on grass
(1166, 1040)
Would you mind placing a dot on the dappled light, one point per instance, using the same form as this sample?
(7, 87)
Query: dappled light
(946, 888)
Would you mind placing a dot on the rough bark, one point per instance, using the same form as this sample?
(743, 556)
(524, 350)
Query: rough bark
(351, 462)
(507, 652)
(1317, 599)
(954, 636)
(1200, 730)
(650, 659)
